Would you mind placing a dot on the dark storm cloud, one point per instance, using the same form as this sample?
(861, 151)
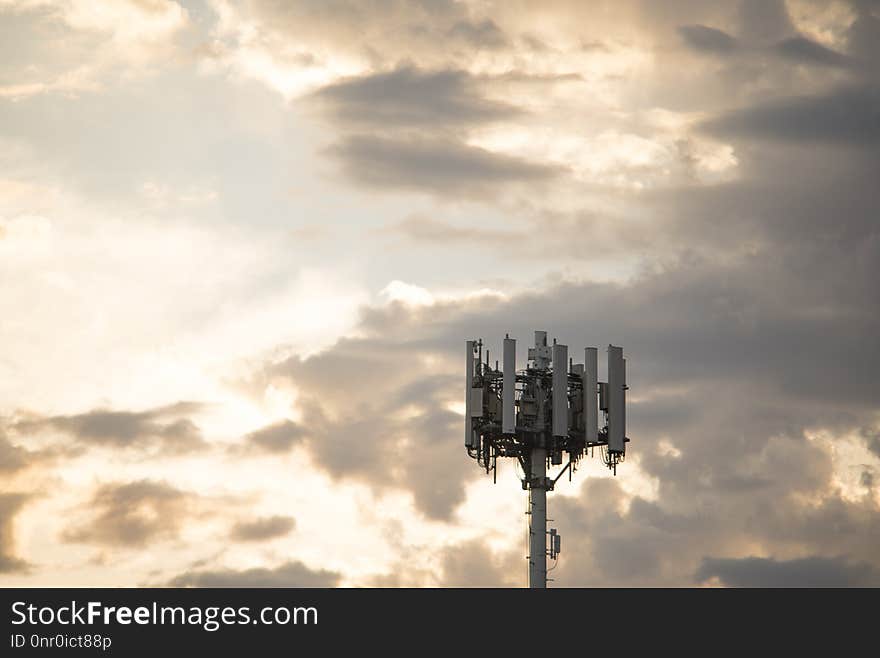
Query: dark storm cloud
(289, 574)
(10, 506)
(801, 49)
(410, 97)
(261, 529)
(433, 165)
(166, 429)
(132, 514)
(802, 572)
(848, 115)
(707, 39)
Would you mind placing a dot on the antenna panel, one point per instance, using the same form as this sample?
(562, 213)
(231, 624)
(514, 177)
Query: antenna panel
(508, 405)
(616, 399)
(468, 384)
(623, 402)
(477, 402)
(560, 390)
(591, 380)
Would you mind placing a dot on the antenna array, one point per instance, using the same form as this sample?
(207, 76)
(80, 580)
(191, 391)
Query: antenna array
(541, 416)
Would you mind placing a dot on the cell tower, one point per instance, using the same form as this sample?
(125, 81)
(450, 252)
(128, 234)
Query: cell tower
(539, 414)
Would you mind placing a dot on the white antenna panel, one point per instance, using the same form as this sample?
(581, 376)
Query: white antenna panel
(616, 399)
(560, 390)
(468, 383)
(508, 404)
(591, 380)
(476, 402)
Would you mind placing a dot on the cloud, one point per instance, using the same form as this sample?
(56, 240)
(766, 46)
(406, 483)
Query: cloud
(707, 39)
(289, 574)
(263, 528)
(387, 415)
(374, 31)
(408, 97)
(847, 115)
(872, 440)
(797, 49)
(469, 563)
(298, 47)
(420, 228)
(746, 302)
(761, 21)
(801, 572)
(473, 564)
(735, 381)
(719, 493)
(863, 36)
(10, 505)
(122, 37)
(132, 514)
(695, 321)
(277, 437)
(155, 19)
(15, 458)
(164, 429)
(484, 34)
(12, 457)
(436, 166)
(803, 50)
(407, 130)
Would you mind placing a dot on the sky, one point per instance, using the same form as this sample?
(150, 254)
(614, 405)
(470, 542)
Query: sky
(242, 245)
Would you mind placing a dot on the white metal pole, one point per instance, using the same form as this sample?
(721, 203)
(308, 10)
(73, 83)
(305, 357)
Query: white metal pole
(538, 520)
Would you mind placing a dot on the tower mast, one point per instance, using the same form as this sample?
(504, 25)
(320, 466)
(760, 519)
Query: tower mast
(538, 519)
